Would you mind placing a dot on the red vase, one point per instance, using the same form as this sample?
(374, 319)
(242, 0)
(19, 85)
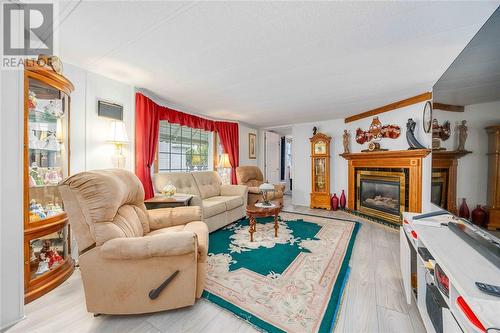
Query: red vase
(478, 216)
(342, 200)
(464, 210)
(335, 202)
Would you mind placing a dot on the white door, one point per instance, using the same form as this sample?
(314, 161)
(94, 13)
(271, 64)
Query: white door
(272, 172)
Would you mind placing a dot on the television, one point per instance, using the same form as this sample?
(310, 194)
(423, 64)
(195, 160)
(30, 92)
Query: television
(465, 126)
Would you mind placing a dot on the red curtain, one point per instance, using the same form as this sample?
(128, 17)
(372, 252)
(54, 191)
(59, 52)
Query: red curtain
(147, 123)
(184, 119)
(228, 134)
(146, 139)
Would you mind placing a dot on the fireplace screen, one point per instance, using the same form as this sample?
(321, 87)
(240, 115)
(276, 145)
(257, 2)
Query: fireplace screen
(381, 194)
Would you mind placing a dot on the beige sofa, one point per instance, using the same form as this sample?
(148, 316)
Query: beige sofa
(221, 204)
(125, 251)
(252, 177)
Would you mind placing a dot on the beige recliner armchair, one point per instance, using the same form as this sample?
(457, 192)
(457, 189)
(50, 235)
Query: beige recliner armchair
(126, 253)
(252, 177)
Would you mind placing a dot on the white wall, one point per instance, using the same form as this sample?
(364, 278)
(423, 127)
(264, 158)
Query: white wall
(89, 149)
(243, 131)
(11, 195)
(338, 165)
(472, 168)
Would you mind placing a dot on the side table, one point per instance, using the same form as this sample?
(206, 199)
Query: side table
(168, 202)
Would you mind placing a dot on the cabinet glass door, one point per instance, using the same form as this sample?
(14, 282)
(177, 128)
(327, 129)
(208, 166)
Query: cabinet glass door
(47, 159)
(319, 175)
(48, 252)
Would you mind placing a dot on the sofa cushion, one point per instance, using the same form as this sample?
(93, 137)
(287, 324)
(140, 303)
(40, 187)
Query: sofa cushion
(208, 183)
(231, 202)
(213, 206)
(183, 182)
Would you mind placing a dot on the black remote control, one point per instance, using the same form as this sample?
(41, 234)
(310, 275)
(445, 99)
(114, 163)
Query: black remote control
(489, 289)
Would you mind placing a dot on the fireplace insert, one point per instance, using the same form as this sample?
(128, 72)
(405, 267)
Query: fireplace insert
(381, 194)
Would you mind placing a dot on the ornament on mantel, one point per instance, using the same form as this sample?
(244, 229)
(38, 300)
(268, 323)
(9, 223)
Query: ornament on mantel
(410, 135)
(462, 135)
(345, 140)
(377, 131)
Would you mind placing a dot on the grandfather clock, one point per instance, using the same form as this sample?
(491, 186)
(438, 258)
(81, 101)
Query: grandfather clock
(320, 171)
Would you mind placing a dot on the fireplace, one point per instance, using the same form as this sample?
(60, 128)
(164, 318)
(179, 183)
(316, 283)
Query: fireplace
(439, 189)
(381, 194)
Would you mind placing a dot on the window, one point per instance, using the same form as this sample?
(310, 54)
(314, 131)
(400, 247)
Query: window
(183, 148)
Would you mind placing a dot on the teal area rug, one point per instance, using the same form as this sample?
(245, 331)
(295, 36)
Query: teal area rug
(290, 283)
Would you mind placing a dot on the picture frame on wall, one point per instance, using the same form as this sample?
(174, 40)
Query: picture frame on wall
(252, 146)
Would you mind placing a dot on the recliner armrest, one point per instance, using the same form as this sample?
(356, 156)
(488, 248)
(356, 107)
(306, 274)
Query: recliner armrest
(279, 187)
(169, 217)
(162, 245)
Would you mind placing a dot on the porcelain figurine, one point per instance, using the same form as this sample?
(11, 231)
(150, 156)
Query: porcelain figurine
(345, 141)
(462, 135)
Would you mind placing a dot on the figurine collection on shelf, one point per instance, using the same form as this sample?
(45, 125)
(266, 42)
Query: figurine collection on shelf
(47, 258)
(38, 212)
(44, 176)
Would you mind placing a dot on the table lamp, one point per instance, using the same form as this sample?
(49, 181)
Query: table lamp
(118, 136)
(224, 165)
(265, 188)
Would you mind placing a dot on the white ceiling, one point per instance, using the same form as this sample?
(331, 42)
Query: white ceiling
(271, 63)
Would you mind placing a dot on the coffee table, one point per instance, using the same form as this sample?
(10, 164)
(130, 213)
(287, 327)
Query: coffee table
(253, 212)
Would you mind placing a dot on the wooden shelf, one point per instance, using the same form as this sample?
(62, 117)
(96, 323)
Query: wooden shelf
(418, 153)
(449, 154)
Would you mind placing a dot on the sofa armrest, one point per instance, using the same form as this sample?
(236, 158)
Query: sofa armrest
(254, 190)
(227, 190)
(169, 217)
(161, 245)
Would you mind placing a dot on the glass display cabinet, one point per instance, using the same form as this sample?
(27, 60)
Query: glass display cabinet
(47, 253)
(320, 171)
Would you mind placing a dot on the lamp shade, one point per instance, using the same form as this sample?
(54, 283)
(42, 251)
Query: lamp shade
(266, 187)
(224, 161)
(117, 133)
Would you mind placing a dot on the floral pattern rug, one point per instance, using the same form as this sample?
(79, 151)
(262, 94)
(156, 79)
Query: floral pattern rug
(289, 283)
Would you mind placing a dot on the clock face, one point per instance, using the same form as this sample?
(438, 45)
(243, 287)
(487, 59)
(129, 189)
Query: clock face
(320, 147)
(427, 117)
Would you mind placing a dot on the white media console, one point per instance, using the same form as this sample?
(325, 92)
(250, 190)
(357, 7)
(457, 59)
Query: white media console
(467, 308)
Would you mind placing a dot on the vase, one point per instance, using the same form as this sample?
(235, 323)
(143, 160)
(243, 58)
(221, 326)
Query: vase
(478, 216)
(335, 202)
(342, 200)
(464, 210)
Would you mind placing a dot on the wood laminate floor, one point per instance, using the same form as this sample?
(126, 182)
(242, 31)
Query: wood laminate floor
(373, 300)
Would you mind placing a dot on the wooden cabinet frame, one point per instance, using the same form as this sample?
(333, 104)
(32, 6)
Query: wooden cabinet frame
(34, 288)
